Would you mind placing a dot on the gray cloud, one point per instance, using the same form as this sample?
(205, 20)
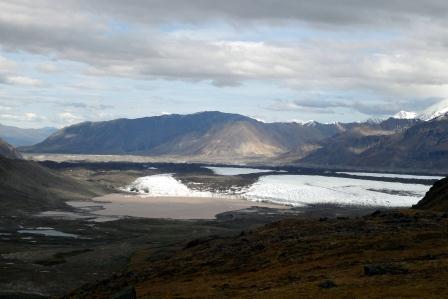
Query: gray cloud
(405, 60)
(372, 107)
(344, 12)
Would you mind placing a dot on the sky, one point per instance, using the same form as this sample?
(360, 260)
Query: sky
(68, 61)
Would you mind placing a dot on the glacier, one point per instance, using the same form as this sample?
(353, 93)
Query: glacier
(294, 190)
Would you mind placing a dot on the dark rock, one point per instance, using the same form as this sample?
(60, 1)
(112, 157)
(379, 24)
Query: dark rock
(376, 213)
(200, 241)
(436, 198)
(383, 269)
(327, 284)
(127, 293)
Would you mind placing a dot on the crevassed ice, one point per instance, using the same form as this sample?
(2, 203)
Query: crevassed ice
(298, 190)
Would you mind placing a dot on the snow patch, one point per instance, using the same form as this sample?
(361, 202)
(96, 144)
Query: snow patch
(437, 110)
(163, 185)
(236, 170)
(405, 115)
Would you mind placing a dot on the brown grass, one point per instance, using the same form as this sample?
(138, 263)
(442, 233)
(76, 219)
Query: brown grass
(291, 258)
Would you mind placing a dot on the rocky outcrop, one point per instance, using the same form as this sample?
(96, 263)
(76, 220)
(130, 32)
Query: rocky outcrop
(436, 198)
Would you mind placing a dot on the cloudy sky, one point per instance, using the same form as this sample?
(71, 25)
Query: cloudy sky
(66, 61)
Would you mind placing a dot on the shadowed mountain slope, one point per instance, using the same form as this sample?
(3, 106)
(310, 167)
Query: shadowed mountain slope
(26, 186)
(8, 151)
(423, 146)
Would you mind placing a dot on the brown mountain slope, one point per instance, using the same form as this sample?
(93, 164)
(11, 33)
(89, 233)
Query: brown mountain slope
(233, 139)
(385, 255)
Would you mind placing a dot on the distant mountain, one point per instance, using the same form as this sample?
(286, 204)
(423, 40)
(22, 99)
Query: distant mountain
(209, 134)
(423, 146)
(21, 137)
(395, 143)
(349, 147)
(8, 151)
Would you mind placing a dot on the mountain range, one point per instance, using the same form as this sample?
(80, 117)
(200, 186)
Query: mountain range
(22, 137)
(404, 141)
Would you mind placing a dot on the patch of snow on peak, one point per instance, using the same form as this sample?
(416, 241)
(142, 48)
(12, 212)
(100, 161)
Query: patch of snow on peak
(405, 115)
(375, 121)
(437, 110)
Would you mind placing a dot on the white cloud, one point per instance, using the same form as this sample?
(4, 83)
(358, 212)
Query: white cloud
(48, 68)
(68, 118)
(29, 117)
(22, 80)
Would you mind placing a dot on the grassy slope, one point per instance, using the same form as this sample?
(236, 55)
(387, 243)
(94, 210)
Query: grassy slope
(290, 259)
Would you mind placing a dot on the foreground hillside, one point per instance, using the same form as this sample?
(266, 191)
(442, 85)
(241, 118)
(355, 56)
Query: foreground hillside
(384, 255)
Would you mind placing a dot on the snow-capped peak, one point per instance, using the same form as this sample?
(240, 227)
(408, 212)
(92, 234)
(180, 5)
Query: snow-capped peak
(405, 115)
(435, 111)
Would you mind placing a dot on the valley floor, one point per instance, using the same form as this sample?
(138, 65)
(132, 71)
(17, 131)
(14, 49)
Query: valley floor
(321, 251)
(54, 264)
